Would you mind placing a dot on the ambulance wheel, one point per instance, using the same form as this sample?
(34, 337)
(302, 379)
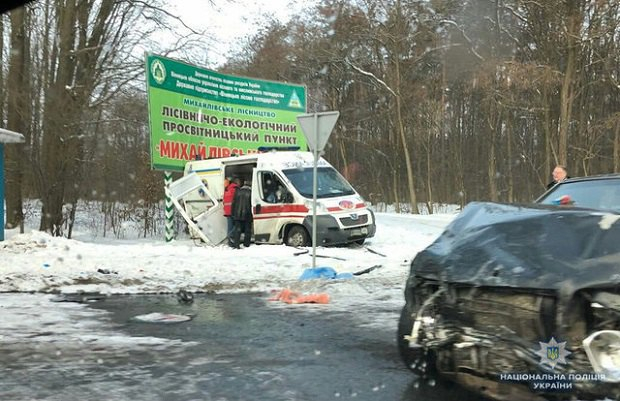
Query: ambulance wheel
(297, 236)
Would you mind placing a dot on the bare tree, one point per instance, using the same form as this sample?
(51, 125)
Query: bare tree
(17, 115)
(89, 57)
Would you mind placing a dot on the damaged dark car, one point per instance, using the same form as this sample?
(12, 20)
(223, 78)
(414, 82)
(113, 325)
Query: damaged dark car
(522, 301)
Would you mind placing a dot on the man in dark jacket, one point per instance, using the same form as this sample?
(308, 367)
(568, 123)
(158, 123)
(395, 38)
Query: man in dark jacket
(242, 216)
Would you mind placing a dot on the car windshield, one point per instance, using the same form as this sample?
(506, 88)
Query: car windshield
(601, 194)
(329, 182)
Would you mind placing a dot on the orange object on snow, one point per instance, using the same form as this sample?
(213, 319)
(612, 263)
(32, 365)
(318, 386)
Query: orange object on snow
(292, 297)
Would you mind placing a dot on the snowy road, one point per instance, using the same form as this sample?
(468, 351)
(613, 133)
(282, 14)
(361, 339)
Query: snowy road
(241, 348)
(237, 347)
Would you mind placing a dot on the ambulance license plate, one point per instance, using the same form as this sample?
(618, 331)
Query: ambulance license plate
(359, 231)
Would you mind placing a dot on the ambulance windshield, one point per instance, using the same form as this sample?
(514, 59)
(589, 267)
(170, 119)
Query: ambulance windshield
(330, 183)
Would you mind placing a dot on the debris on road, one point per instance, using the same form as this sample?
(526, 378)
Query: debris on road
(157, 317)
(292, 297)
(368, 270)
(323, 272)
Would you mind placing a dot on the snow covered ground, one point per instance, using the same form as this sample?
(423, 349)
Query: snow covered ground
(37, 262)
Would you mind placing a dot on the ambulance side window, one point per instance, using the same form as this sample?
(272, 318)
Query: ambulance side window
(272, 190)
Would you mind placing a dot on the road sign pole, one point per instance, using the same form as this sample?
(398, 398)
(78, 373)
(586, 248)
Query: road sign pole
(317, 128)
(315, 152)
(169, 209)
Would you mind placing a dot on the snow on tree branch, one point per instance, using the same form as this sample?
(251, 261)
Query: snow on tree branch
(471, 47)
(371, 75)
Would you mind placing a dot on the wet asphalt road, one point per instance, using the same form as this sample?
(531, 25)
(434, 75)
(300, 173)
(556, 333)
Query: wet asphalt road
(237, 347)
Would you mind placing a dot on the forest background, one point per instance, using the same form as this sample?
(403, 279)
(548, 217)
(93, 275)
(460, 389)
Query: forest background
(441, 101)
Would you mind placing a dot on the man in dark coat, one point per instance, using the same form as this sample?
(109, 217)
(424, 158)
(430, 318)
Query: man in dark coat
(242, 216)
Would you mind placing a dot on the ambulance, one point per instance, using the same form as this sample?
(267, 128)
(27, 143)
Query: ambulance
(282, 200)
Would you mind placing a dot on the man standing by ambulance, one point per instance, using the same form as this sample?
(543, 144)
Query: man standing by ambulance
(230, 187)
(242, 214)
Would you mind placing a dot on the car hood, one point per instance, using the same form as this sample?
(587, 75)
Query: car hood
(526, 246)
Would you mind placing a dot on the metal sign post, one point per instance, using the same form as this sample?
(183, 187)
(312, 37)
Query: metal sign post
(317, 128)
(6, 136)
(169, 209)
(315, 153)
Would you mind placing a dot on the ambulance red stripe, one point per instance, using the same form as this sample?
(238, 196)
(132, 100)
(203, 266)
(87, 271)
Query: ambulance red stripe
(282, 209)
(279, 216)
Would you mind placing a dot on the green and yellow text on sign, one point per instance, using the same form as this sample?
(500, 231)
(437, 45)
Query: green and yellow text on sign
(199, 113)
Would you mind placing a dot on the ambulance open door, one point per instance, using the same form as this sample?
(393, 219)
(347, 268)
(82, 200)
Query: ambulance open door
(200, 209)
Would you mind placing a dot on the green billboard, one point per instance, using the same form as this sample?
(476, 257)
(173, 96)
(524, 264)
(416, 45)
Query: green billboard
(198, 113)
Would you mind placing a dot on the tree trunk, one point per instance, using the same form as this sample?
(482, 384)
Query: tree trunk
(617, 148)
(493, 122)
(59, 110)
(17, 118)
(568, 84)
(511, 178)
(492, 171)
(550, 152)
(81, 36)
(403, 138)
(395, 192)
(429, 180)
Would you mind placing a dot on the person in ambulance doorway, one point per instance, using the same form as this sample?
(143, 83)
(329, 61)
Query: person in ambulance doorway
(230, 187)
(242, 214)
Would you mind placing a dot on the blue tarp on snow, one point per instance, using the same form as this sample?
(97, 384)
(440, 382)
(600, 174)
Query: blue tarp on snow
(323, 272)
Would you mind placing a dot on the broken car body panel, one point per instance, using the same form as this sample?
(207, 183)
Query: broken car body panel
(537, 247)
(501, 284)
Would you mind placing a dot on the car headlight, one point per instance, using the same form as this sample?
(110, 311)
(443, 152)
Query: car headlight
(603, 350)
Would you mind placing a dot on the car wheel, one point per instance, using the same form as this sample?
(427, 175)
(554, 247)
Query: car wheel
(297, 236)
(418, 360)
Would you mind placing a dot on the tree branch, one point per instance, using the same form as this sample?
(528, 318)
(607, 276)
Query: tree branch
(471, 44)
(372, 76)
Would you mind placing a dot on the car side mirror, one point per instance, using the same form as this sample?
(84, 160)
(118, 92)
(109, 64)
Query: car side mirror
(288, 197)
(258, 208)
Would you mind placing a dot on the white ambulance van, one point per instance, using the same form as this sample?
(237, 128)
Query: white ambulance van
(281, 200)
